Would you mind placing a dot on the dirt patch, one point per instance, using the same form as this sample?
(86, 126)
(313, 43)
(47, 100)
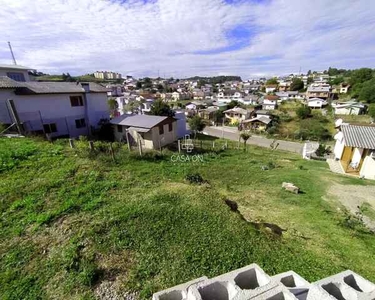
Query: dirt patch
(275, 229)
(353, 196)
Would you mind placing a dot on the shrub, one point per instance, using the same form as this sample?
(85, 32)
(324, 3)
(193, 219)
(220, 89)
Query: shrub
(194, 178)
(323, 150)
(303, 112)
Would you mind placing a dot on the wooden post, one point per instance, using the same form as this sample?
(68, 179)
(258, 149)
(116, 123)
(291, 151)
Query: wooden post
(71, 143)
(238, 145)
(179, 146)
(140, 147)
(112, 152)
(201, 144)
(226, 144)
(91, 145)
(213, 145)
(127, 139)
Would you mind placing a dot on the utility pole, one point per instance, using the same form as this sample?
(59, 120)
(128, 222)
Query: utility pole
(11, 51)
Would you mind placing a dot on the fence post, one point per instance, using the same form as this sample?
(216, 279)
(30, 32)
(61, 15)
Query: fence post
(201, 144)
(226, 144)
(91, 145)
(179, 146)
(139, 147)
(71, 143)
(213, 145)
(127, 139)
(112, 152)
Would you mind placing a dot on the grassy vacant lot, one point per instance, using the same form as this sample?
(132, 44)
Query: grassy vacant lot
(73, 222)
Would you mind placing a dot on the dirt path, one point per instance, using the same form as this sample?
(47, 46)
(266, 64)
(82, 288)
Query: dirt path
(353, 196)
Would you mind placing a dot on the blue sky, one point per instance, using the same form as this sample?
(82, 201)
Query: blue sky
(182, 38)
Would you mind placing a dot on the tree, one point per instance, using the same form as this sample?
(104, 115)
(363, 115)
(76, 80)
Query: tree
(309, 80)
(296, 85)
(112, 104)
(371, 111)
(196, 124)
(272, 81)
(233, 104)
(360, 76)
(303, 112)
(218, 116)
(139, 85)
(245, 136)
(367, 92)
(160, 108)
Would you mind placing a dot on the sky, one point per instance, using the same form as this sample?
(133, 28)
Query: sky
(182, 38)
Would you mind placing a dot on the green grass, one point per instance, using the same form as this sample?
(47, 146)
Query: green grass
(367, 210)
(71, 219)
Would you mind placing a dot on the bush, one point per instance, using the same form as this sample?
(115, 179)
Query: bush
(312, 129)
(303, 112)
(323, 150)
(194, 178)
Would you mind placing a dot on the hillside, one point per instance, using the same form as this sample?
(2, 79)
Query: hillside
(76, 224)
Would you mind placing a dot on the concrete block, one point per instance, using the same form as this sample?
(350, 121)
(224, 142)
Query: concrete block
(245, 283)
(290, 187)
(277, 293)
(297, 285)
(178, 292)
(346, 285)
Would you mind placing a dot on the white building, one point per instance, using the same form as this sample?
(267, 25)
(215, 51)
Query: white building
(107, 75)
(316, 103)
(15, 72)
(348, 108)
(56, 108)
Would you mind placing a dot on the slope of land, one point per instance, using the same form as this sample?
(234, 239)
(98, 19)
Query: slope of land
(75, 225)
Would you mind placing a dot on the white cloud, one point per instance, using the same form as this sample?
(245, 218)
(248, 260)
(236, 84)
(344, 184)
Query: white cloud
(134, 37)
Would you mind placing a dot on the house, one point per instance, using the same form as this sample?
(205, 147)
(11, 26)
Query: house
(264, 113)
(355, 149)
(259, 123)
(175, 96)
(151, 132)
(54, 108)
(270, 102)
(237, 114)
(208, 113)
(15, 72)
(289, 95)
(318, 91)
(344, 88)
(284, 86)
(349, 108)
(250, 100)
(316, 102)
(270, 88)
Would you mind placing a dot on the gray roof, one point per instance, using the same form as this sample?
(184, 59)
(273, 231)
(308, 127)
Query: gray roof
(263, 119)
(15, 67)
(6, 83)
(143, 121)
(237, 110)
(96, 87)
(50, 88)
(359, 136)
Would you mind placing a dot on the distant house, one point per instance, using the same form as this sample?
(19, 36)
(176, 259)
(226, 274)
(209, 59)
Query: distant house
(270, 88)
(355, 149)
(270, 102)
(289, 95)
(54, 108)
(349, 108)
(344, 88)
(318, 91)
(250, 100)
(175, 96)
(316, 103)
(259, 123)
(284, 86)
(152, 132)
(208, 113)
(237, 114)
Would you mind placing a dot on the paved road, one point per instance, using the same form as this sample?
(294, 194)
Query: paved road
(232, 134)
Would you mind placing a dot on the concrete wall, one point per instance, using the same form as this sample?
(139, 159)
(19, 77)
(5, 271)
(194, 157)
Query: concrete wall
(368, 168)
(97, 107)
(339, 146)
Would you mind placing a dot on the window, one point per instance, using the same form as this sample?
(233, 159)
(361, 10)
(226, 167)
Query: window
(161, 129)
(16, 76)
(50, 128)
(76, 100)
(80, 123)
(119, 128)
(170, 126)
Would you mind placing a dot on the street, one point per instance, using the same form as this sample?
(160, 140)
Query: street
(233, 134)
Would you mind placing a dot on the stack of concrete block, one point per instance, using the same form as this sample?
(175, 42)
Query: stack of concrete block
(252, 283)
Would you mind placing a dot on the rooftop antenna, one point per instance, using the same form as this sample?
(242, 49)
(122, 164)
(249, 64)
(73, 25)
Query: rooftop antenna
(11, 51)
